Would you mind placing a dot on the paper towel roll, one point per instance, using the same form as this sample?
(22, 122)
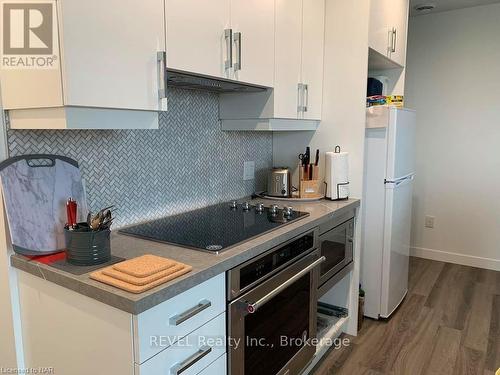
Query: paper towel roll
(337, 175)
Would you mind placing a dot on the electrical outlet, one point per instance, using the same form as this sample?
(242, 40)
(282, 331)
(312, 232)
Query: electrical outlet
(248, 170)
(429, 221)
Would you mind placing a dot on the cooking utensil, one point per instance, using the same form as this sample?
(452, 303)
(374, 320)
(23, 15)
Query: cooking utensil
(102, 219)
(308, 155)
(36, 189)
(316, 162)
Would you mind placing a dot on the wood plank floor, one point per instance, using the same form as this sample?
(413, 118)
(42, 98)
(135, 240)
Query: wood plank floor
(449, 323)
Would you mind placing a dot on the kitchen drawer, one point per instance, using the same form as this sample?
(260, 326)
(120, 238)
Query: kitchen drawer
(191, 354)
(218, 367)
(161, 326)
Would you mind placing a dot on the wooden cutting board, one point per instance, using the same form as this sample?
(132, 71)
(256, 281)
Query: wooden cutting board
(35, 190)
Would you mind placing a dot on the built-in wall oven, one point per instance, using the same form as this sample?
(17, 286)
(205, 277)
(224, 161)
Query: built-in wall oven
(336, 245)
(272, 309)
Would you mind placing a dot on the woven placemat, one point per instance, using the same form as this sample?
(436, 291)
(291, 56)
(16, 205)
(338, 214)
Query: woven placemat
(110, 271)
(145, 265)
(100, 276)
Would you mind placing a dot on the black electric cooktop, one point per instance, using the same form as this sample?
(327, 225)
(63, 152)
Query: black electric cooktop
(215, 228)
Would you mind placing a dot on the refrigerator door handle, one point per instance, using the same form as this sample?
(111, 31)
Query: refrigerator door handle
(399, 181)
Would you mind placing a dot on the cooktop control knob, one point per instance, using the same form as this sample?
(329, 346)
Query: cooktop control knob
(259, 207)
(274, 209)
(288, 211)
(233, 205)
(246, 206)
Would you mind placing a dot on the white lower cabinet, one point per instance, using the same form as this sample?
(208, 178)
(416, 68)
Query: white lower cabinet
(161, 326)
(217, 367)
(185, 332)
(192, 354)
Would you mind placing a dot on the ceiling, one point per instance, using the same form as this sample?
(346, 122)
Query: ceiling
(445, 5)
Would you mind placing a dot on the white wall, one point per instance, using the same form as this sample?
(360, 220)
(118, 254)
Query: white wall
(344, 97)
(453, 81)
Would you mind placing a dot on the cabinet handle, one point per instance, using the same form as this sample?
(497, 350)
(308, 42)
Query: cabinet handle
(237, 39)
(161, 58)
(393, 39)
(188, 314)
(190, 361)
(228, 36)
(300, 97)
(299, 103)
(306, 94)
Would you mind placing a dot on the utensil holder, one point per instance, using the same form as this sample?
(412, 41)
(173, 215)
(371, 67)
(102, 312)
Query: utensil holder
(308, 172)
(85, 247)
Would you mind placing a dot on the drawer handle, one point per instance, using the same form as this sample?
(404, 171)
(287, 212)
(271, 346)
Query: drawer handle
(190, 361)
(188, 314)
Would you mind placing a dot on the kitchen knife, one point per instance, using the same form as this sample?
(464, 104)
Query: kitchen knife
(308, 155)
(316, 162)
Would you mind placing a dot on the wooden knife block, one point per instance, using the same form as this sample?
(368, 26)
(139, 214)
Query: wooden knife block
(309, 188)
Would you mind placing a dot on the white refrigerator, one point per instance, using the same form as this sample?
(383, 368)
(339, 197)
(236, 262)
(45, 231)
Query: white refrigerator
(388, 185)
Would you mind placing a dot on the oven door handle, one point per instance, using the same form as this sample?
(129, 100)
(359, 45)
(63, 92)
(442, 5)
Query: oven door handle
(253, 307)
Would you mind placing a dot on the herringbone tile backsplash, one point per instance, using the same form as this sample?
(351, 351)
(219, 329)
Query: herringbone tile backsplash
(188, 163)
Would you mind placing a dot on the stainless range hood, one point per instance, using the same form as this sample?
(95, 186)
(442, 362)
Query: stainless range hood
(192, 81)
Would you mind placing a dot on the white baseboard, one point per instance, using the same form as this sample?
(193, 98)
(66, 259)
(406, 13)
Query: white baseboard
(449, 257)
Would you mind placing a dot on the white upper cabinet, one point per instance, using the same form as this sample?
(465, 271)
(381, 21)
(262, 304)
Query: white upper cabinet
(399, 15)
(298, 75)
(313, 28)
(388, 28)
(109, 61)
(288, 67)
(298, 84)
(110, 53)
(379, 27)
(198, 35)
(252, 24)
(231, 39)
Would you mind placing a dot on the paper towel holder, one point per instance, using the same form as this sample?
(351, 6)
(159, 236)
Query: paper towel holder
(337, 151)
(338, 191)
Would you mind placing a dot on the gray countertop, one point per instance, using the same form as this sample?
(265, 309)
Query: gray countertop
(204, 265)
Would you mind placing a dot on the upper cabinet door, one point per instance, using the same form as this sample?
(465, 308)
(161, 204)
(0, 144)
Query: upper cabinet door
(399, 18)
(287, 71)
(380, 26)
(110, 53)
(196, 41)
(313, 30)
(252, 22)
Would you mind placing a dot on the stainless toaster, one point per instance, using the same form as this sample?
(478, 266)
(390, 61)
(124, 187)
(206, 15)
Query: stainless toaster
(279, 182)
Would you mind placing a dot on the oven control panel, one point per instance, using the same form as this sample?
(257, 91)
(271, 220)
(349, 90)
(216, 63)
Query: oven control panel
(274, 260)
